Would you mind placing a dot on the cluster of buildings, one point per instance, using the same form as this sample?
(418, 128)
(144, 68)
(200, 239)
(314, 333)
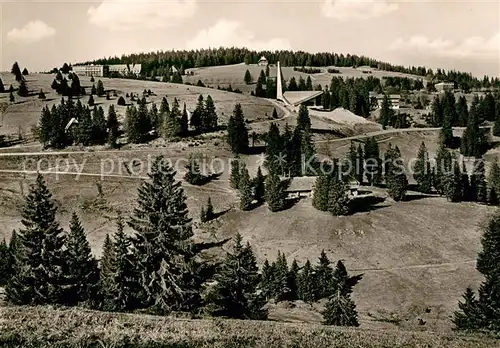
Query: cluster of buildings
(98, 70)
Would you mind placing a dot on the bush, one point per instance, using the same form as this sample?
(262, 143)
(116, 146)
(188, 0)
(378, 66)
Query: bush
(121, 101)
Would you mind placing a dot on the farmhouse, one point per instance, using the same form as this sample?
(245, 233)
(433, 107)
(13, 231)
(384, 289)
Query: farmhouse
(303, 187)
(263, 61)
(444, 86)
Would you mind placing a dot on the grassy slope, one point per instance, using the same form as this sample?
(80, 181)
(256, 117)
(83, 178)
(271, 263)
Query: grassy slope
(45, 327)
(26, 111)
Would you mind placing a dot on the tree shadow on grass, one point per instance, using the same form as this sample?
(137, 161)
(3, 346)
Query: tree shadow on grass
(366, 204)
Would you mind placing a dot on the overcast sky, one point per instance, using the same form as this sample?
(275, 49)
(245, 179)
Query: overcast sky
(450, 34)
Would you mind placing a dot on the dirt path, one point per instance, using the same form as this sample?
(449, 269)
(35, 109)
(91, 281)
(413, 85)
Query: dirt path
(424, 266)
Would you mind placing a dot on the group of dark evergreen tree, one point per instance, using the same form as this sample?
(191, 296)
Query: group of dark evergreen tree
(90, 126)
(313, 283)
(22, 89)
(388, 117)
(153, 61)
(74, 89)
(483, 313)
(158, 268)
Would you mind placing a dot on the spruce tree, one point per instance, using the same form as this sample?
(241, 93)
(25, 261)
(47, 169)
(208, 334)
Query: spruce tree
(2, 87)
(275, 114)
(106, 268)
(443, 166)
(83, 274)
(259, 187)
(172, 121)
(235, 173)
(245, 189)
(274, 149)
(208, 213)
(248, 77)
(473, 140)
(16, 71)
(184, 123)
(386, 112)
(198, 115)
(41, 95)
(360, 168)
(452, 183)
(422, 170)
(39, 277)
(395, 176)
(237, 132)
(340, 310)
(93, 90)
(112, 126)
(5, 263)
(466, 318)
(164, 252)
(267, 280)
(99, 126)
(12, 98)
(210, 120)
(293, 276)
(237, 294)
(373, 163)
(338, 199)
(480, 180)
(91, 101)
(306, 283)
(324, 274)
(100, 88)
(194, 175)
(280, 287)
(320, 198)
(303, 119)
(275, 193)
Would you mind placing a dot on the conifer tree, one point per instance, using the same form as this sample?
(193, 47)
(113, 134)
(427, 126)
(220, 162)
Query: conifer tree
(324, 274)
(194, 175)
(93, 90)
(422, 170)
(121, 101)
(237, 132)
(245, 189)
(106, 268)
(386, 112)
(480, 180)
(99, 129)
(473, 140)
(293, 276)
(41, 95)
(395, 174)
(184, 123)
(198, 115)
(23, 89)
(40, 263)
(83, 274)
(360, 168)
(172, 121)
(320, 198)
(280, 287)
(237, 292)
(162, 245)
(100, 88)
(25, 71)
(235, 173)
(16, 71)
(373, 163)
(462, 112)
(274, 149)
(275, 114)
(443, 166)
(306, 283)
(303, 119)
(493, 198)
(2, 87)
(452, 183)
(112, 126)
(85, 134)
(207, 214)
(248, 77)
(340, 309)
(466, 318)
(259, 187)
(275, 193)
(5, 263)
(209, 123)
(91, 101)
(267, 280)
(338, 200)
(92, 79)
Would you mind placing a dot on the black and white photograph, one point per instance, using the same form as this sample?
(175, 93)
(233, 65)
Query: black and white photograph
(249, 174)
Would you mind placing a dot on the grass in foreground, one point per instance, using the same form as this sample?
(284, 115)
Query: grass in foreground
(46, 327)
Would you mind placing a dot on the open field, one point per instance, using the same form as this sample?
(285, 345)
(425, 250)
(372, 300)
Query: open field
(233, 75)
(44, 327)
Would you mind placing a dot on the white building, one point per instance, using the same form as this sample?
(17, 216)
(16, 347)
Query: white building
(263, 61)
(89, 70)
(393, 99)
(125, 69)
(444, 86)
